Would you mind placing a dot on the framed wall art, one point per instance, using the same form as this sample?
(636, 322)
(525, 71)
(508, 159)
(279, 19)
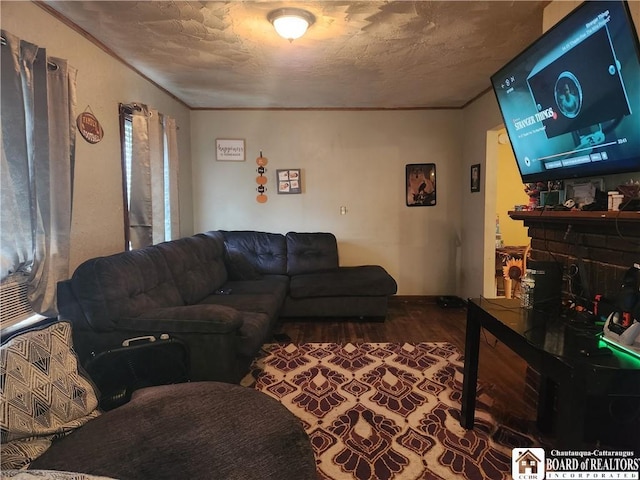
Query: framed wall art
(230, 150)
(289, 181)
(475, 177)
(420, 184)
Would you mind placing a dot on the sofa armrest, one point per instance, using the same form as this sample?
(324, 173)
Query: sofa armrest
(210, 331)
(216, 319)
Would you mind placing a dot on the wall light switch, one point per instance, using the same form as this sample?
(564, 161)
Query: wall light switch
(343, 210)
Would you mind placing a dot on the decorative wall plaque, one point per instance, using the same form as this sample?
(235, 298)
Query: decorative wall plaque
(89, 127)
(230, 150)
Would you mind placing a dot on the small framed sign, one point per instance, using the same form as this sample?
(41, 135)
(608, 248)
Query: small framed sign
(289, 181)
(230, 150)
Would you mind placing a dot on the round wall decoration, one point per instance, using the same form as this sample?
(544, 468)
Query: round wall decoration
(89, 127)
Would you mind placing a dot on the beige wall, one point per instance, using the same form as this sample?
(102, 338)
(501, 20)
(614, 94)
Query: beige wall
(481, 126)
(102, 83)
(354, 159)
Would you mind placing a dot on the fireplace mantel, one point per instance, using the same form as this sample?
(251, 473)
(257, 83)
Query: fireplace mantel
(576, 217)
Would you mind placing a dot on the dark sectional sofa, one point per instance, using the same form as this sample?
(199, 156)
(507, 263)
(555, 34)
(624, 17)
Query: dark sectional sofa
(220, 292)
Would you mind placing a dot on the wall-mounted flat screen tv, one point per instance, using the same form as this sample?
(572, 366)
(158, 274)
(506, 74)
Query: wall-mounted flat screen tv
(571, 101)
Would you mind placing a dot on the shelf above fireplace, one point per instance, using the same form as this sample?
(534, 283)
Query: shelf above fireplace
(577, 217)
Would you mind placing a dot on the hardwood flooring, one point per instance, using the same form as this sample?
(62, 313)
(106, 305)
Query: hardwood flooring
(420, 319)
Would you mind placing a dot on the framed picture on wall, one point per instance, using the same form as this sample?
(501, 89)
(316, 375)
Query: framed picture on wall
(289, 181)
(475, 177)
(420, 184)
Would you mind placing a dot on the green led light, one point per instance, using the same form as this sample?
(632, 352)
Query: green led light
(627, 352)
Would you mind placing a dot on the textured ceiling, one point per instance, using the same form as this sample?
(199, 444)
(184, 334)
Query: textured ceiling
(368, 54)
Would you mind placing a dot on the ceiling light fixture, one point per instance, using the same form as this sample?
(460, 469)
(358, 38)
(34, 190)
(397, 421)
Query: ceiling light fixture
(291, 23)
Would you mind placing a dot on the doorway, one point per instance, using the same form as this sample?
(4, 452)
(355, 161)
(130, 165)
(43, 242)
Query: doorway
(504, 189)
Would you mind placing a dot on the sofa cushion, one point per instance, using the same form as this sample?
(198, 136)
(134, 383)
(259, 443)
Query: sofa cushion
(366, 280)
(239, 267)
(43, 395)
(267, 252)
(124, 285)
(249, 302)
(197, 265)
(276, 285)
(311, 252)
(200, 318)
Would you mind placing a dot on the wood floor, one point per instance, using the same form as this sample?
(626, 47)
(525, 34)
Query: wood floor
(420, 319)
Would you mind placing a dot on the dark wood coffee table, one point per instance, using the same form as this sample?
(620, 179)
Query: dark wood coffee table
(552, 345)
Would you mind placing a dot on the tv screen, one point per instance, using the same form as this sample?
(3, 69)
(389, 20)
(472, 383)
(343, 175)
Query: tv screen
(571, 101)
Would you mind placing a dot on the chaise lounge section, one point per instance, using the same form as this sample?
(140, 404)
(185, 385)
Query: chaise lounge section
(220, 292)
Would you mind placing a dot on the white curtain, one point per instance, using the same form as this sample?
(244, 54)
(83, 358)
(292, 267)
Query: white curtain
(38, 145)
(153, 197)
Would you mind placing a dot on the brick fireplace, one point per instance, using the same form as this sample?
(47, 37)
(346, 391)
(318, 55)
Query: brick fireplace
(604, 244)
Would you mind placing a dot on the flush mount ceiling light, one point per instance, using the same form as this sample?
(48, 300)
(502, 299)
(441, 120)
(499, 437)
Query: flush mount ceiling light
(291, 23)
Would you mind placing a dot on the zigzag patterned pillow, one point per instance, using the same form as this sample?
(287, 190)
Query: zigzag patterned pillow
(42, 394)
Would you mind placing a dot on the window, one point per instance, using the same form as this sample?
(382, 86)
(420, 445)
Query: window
(127, 154)
(150, 173)
(128, 145)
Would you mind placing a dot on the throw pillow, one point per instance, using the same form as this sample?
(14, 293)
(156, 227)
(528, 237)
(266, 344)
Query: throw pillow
(43, 396)
(239, 267)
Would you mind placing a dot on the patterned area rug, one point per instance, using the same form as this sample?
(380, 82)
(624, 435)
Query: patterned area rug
(385, 410)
